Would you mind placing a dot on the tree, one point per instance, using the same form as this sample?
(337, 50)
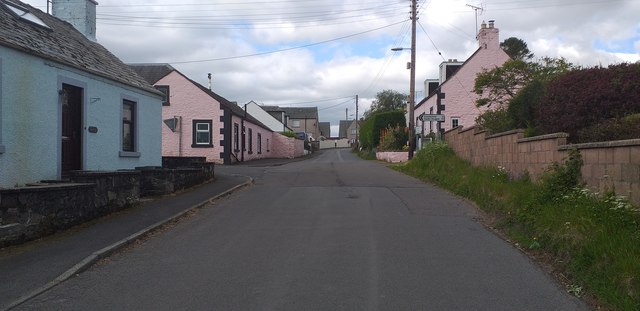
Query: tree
(516, 49)
(499, 85)
(385, 101)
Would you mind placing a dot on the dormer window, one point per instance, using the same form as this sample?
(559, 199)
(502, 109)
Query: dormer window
(24, 14)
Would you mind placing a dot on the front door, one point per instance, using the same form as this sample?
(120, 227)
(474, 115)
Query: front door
(71, 128)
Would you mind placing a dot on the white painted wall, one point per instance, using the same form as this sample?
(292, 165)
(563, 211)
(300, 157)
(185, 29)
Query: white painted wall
(30, 120)
(264, 117)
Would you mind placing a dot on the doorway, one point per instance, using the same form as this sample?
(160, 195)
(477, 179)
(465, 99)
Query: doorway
(71, 128)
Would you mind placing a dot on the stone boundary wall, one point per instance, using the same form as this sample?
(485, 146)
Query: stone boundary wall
(393, 157)
(613, 165)
(31, 212)
(286, 147)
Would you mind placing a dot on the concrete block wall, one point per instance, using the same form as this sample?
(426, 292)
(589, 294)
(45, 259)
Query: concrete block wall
(608, 166)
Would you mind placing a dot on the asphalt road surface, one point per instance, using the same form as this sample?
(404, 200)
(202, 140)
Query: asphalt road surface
(329, 233)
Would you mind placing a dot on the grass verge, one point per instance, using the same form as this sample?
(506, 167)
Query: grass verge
(592, 241)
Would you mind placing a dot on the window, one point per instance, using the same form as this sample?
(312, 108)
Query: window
(267, 144)
(295, 123)
(455, 122)
(202, 134)
(259, 143)
(23, 13)
(128, 125)
(250, 141)
(236, 136)
(165, 90)
(353, 131)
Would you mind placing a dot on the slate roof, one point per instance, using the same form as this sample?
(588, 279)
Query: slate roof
(152, 71)
(63, 44)
(325, 129)
(294, 112)
(344, 125)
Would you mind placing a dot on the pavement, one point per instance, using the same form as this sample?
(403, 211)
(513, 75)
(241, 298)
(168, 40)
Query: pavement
(35, 267)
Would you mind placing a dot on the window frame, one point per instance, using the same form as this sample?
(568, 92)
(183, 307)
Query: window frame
(195, 131)
(259, 138)
(133, 151)
(250, 140)
(236, 137)
(455, 120)
(294, 122)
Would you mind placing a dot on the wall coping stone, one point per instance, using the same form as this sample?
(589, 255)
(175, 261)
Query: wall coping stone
(543, 137)
(504, 133)
(47, 187)
(604, 144)
(104, 173)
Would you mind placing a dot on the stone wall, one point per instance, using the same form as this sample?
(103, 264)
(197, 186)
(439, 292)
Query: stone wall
(607, 166)
(37, 210)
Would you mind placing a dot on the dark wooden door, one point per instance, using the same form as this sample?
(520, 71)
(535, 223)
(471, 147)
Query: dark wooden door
(71, 128)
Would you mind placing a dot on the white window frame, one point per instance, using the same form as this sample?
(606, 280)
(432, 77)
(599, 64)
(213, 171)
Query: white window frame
(295, 123)
(455, 120)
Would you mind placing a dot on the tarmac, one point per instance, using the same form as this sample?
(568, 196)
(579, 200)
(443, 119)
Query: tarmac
(28, 270)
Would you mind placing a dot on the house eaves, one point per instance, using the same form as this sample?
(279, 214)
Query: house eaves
(61, 43)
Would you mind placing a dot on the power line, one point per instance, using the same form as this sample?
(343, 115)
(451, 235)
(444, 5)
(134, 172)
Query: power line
(287, 49)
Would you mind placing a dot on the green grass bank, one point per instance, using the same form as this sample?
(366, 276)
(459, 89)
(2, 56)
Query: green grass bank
(592, 241)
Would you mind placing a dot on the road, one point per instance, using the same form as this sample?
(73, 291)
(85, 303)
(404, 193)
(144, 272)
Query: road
(329, 233)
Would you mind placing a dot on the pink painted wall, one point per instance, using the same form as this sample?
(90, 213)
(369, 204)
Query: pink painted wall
(286, 147)
(393, 156)
(252, 153)
(190, 103)
(460, 100)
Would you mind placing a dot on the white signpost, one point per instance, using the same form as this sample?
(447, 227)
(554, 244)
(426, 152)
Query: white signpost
(431, 117)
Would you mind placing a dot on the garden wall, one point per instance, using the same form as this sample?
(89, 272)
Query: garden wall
(613, 165)
(393, 156)
(286, 147)
(40, 209)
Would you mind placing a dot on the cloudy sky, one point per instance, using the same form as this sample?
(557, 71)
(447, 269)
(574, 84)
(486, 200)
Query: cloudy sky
(324, 52)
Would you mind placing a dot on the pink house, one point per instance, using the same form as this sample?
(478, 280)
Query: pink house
(200, 123)
(455, 92)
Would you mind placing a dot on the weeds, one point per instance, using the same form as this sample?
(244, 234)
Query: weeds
(595, 238)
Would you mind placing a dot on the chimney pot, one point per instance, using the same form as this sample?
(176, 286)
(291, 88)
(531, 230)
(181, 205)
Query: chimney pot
(491, 23)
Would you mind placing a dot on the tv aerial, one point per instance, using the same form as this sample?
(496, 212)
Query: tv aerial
(476, 9)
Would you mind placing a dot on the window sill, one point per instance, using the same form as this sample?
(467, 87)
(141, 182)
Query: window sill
(201, 146)
(2, 149)
(129, 154)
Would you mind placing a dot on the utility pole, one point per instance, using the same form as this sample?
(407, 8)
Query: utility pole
(356, 121)
(412, 85)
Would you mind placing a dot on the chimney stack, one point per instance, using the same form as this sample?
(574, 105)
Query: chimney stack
(79, 13)
(488, 36)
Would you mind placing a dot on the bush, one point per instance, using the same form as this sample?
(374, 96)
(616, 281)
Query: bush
(560, 179)
(612, 129)
(289, 134)
(589, 96)
(495, 121)
(370, 129)
(394, 139)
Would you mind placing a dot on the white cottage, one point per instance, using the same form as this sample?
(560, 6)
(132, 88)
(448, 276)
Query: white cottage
(66, 102)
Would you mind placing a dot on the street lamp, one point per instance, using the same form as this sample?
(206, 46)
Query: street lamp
(412, 83)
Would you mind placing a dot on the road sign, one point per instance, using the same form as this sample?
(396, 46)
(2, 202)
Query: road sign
(432, 117)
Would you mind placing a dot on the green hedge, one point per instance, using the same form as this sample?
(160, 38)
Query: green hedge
(370, 129)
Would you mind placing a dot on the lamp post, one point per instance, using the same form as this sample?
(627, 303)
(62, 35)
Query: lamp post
(412, 82)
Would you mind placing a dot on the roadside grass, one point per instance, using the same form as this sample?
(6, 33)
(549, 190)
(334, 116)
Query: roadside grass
(366, 154)
(591, 240)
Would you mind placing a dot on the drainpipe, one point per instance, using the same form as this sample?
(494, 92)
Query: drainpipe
(242, 148)
(180, 137)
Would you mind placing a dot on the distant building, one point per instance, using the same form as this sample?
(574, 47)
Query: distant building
(298, 119)
(347, 129)
(325, 129)
(456, 82)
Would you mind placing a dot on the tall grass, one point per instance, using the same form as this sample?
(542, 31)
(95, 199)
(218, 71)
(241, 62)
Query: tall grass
(592, 239)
